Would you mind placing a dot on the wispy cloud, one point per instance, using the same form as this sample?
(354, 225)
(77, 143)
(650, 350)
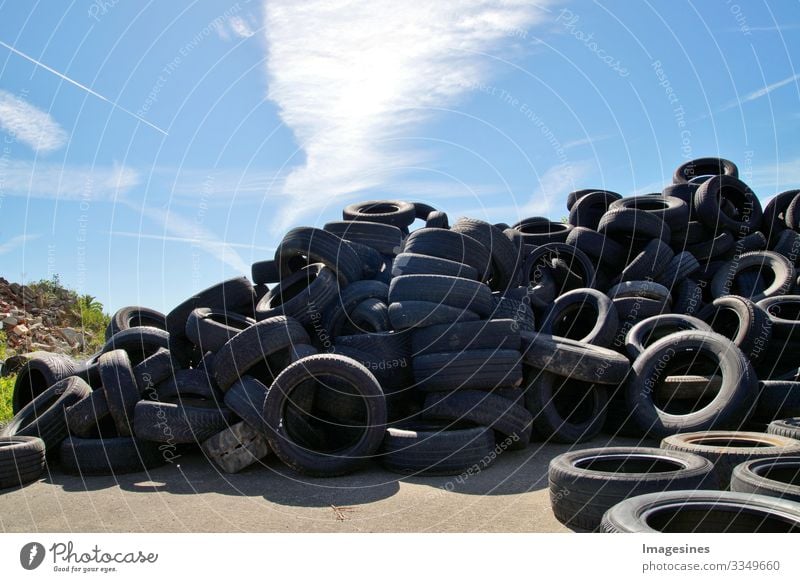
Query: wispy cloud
(350, 76)
(68, 183)
(554, 185)
(758, 94)
(588, 140)
(193, 232)
(240, 27)
(29, 124)
(16, 242)
(184, 239)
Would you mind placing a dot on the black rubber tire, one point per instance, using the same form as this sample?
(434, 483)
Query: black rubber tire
(610, 254)
(44, 416)
(437, 219)
(139, 342)
(519, 311)
(254, 345)
(784, 316)
(587, 210)
(504, 416)
(454, 246)
(777, 399)
(646, 332)
(672, 210)
(369, 316)
(406, 315)
(303, 246)
(190, 421)
(701, 512)
(692, 233)
(681, 267)
(716, 248)
(774, 221)
(86, 417)
(505, 256)
(265, 272)
(584, 315)
(650, 263)
(413, 264)
(452, 291)
(730, 407)
(394, 212)
(714, 446)
(154, 370)
(246, 399)
(392, 345)
(566, 410)
(422, 210)
(585, 484)
(229, 295)
(787, 243)
(192, 383)
(637, 227)
(384, 238)
(210, 329)
(315, 463)
(541, 259)
(372, 262)
(783, 273)
(788, 427)
(711, 195)
(755, 241)
(473, 335)
(108, 456)
(467, 369)
(303, 295)
(37, 374)
(437, 452)
(644, 289)
(745, 323)
(704, 167)
(135, 316)
(566, 357)
(688, 298)
(773, 477)
(576, 195)
(22, 460)
(690, 387)
(537, 232)
(122, 391)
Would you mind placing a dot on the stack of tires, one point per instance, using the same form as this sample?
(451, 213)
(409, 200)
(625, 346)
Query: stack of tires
(434, 349)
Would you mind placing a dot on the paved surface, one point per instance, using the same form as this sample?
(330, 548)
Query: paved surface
(192, 496)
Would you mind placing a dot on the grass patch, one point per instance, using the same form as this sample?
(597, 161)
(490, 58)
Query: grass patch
(6, 385)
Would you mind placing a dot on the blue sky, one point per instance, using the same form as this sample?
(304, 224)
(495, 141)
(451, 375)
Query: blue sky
(148, 150)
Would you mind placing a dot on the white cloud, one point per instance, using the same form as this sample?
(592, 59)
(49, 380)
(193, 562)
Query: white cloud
(30, 125)
(770, 88)
(240, 27)
(67, 183)
(179, 228)
(187, 240)
(16, 242)
(349, 76)
(554, 184)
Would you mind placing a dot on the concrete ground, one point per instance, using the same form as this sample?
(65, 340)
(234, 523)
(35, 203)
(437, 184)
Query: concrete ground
(191, 495)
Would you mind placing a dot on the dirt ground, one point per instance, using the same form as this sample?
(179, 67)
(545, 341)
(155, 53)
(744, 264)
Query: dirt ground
(191, 495)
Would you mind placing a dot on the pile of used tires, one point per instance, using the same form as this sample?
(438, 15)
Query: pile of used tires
(433, 350)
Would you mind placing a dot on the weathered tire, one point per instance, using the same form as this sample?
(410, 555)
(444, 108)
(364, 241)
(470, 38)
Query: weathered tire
(505, 256)
(135, 316)
(304, 246)
(454, 246)
(783, 274)
(565, 410)
(467, 369)
(44, 416)
(726, 449)
(246, 399)
(438, 451)
(710, 208)
(504, 416)
(473, 335)
(777, 399)
(384, 238)
(585, 484)
(210, 328)
(702, 512)
(122, 391)
(190, 421)
(584, 315)
(566, 357)
(337, 313)
(22, 460)
(253, 345)
(394, 212)
(108, 456)
(40, 371)
(704, 167)
(745, 323)
(788, 427)
(414, 264)
(452, 291)
(773, 477)
(646, 332)
(405, 315)
(304, 295)
(318, 463)
(730, 407)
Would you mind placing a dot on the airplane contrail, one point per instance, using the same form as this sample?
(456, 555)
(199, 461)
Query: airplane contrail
(80, 86)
